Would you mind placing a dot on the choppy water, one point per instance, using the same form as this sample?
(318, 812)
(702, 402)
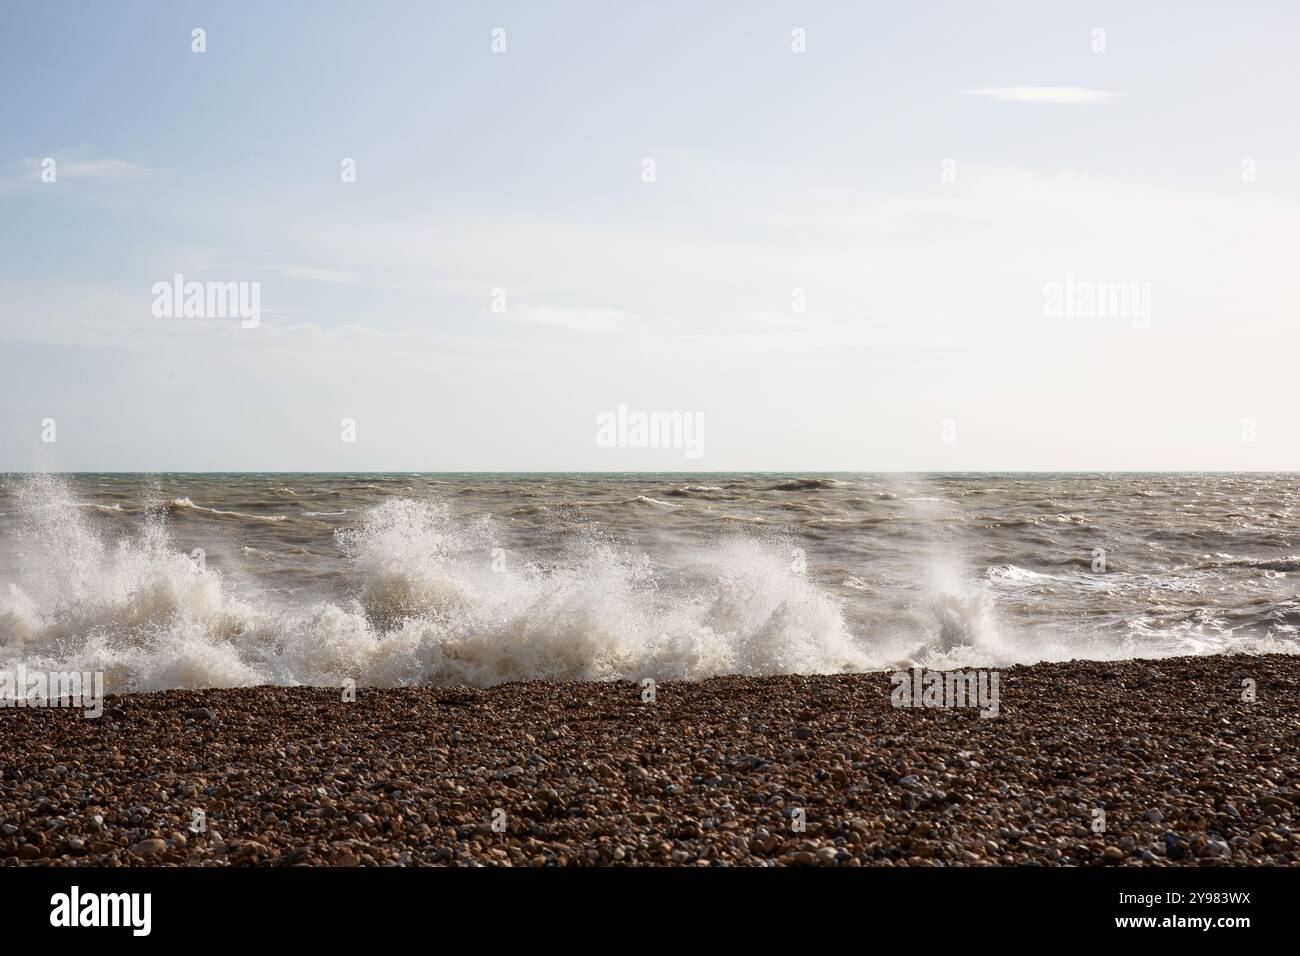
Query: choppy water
(390, 579)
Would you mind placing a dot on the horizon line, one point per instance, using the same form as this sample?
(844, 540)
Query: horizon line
(749, 471)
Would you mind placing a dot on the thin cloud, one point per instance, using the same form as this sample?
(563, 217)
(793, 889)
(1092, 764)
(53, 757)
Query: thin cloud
(88, 169)
(314, 274)
(17, 178)
(346, 277)
(577, 320)
(1055, 95)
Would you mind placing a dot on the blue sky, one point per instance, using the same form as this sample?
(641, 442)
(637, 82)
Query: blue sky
(821, 171)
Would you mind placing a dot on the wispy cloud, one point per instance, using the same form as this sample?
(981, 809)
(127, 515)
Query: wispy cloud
(314, 274)
(103, 168)
(1055, 95)
(19, 177)
(577, 320)
(348, 277)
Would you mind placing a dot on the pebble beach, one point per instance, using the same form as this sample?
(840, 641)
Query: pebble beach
(1136, 763)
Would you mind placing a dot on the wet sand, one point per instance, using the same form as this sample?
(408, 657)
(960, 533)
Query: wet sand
(720, 772)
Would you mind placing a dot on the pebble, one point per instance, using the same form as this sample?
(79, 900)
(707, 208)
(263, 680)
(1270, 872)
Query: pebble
(587, 774)
(149, 847)
(1214, 850)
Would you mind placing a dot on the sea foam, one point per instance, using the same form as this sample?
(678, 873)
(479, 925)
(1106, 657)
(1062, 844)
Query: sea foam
(433, 600)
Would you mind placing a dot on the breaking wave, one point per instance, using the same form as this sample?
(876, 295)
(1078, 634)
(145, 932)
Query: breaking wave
(435, 600)
(390, 591)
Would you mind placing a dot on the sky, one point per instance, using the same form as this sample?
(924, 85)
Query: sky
(836, 236)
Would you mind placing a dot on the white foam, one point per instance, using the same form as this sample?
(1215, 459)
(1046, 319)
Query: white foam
(430, 597)
(432, 605)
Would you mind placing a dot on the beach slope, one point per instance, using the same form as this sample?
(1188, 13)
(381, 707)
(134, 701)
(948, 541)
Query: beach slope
(1090, 763)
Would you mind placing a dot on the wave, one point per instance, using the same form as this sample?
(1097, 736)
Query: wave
(1014, 574)
(647, 500)
(689, 491)
(429, 592)
(1284, 564)
(436, 601)
(804, 484)
(186, 505)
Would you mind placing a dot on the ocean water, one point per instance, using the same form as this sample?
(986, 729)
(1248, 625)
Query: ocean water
(168, 581)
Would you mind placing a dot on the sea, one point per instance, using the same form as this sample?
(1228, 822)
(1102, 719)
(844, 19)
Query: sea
(220, 580)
